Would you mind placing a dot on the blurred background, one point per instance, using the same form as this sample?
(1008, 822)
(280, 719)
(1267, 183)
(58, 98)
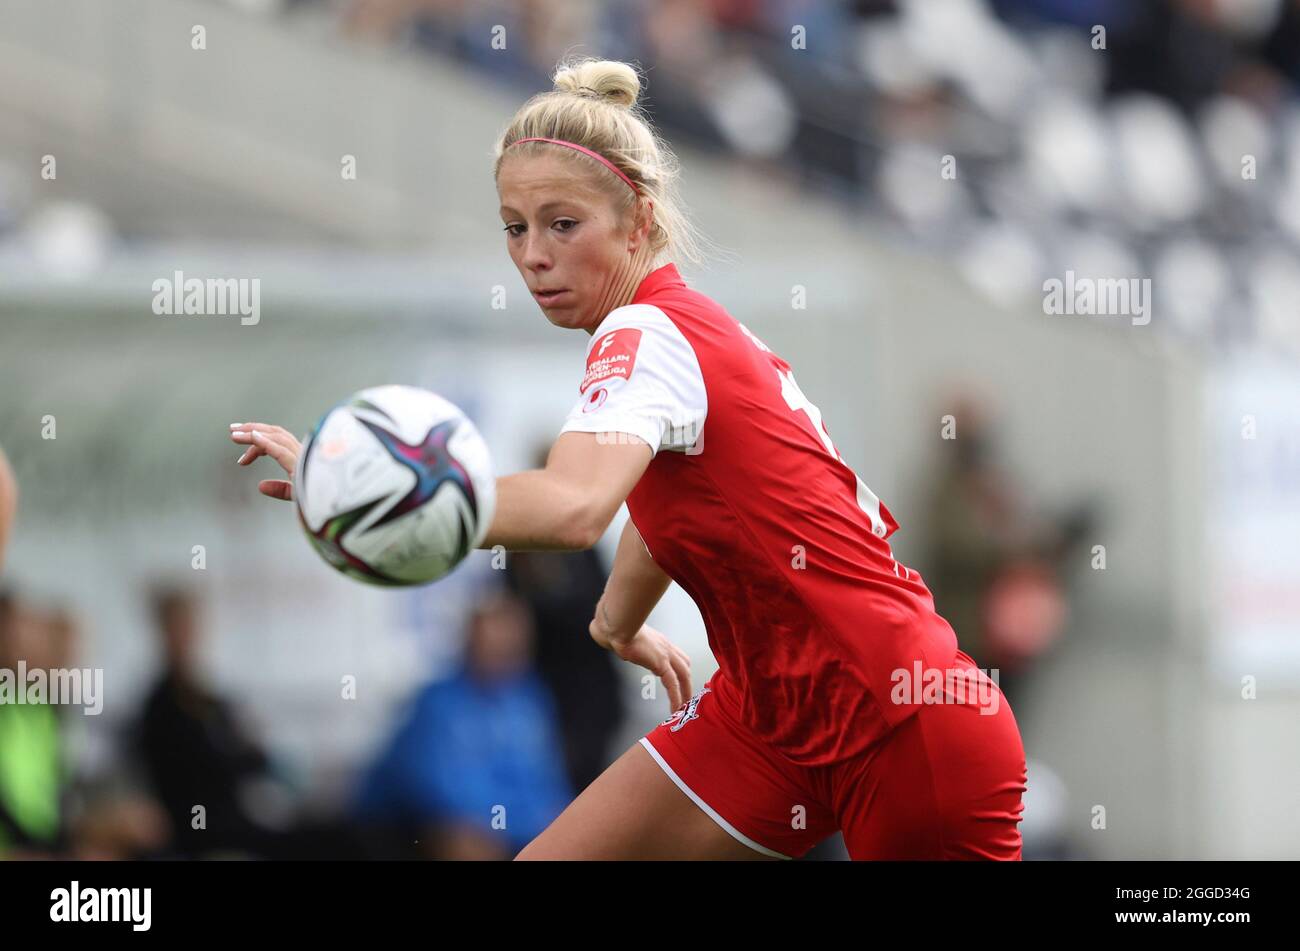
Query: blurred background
(1115, 526)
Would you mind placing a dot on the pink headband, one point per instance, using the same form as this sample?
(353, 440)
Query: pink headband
(586, 151)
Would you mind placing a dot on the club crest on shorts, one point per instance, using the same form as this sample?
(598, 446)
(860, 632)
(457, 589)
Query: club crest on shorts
(687, 712)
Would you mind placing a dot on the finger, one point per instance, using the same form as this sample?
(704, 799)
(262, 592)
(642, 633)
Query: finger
(243, 433)
(258, 427)
(669, 678)
(277, 451)
(279, 437)
(682, 668)
(251, 452)
(264, 437)
(279, 433)
(276, 489)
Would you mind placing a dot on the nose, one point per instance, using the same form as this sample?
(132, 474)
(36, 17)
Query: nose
(536, 256)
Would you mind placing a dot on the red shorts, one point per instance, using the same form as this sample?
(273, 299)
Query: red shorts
(946, 783)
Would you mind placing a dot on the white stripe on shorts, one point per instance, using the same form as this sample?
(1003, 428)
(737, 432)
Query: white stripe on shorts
(731, 830)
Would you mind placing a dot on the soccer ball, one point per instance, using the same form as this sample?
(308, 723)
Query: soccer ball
(394, 486)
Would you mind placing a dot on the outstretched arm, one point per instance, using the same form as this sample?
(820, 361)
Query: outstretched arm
(569, 504)
(566, 506)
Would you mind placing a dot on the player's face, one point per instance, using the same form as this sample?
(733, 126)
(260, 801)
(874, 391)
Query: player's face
(567, 237)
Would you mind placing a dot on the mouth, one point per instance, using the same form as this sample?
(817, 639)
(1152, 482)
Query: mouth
(546, 298)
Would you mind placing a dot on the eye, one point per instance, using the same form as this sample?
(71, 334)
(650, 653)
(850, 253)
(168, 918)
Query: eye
(509, 229)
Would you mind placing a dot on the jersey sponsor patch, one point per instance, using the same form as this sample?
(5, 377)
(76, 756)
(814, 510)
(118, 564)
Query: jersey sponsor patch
(612, 356)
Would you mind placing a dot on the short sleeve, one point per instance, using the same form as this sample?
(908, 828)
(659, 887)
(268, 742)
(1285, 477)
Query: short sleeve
(642, 377)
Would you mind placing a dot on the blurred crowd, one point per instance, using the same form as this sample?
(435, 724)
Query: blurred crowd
(475, 765)
(1021, 138)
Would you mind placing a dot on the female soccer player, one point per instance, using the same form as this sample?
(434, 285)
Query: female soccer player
(841, 701)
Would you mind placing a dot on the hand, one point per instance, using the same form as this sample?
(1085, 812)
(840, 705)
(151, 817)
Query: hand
(277, 442)
(652, 650)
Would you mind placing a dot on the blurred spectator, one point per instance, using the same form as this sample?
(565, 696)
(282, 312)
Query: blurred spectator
(43, 811)
(475, 770)
(193, 748)
(561, 590)
(994, 568)
(103, 823)
(32, 775)
(119, 826)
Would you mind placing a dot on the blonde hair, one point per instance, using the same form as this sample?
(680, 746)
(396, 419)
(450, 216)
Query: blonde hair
(594, 104)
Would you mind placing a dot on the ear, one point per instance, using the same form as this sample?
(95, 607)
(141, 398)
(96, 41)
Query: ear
(643, 224)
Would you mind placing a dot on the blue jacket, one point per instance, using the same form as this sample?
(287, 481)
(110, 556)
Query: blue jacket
(469, 752)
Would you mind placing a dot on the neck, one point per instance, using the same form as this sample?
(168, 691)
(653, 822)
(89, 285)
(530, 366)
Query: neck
(623, 287)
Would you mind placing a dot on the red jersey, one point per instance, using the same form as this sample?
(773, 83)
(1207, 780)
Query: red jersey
(747, 505)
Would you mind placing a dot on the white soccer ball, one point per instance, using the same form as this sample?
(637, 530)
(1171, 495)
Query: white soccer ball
(395, 486)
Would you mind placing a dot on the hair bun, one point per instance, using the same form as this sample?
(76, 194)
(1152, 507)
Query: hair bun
(606, 79)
